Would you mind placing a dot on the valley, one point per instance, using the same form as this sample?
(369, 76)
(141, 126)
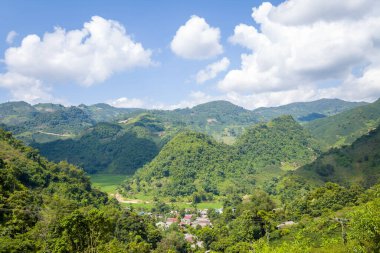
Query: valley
(190, 126)
(164, 166)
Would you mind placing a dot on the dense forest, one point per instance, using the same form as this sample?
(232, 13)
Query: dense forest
(195, 163)
(109, 148)
(51, 207)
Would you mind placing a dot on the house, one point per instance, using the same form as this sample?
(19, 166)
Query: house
(201, 221)
(187, 219)
(170, 221)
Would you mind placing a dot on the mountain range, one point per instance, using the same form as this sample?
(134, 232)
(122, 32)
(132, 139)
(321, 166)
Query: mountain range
(100, 137)
(286, 175)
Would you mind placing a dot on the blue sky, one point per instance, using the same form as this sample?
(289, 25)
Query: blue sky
(284, 52)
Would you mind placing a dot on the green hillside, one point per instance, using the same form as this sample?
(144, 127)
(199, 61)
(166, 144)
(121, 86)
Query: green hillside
(358, 163)
(48, 207)
(307, 111)
(346, 127)
(220, 119)
(110, 148)
(188, 163)
(49, 122)
(281, 142)
(44, 122)
(193, 162)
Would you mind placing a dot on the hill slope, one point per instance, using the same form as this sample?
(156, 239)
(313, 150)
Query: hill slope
(185, 165)
(48, 207)
(358, 163)
(111, 148)
(346, 127)
(194, 162)
(281, 141)
(28, 184)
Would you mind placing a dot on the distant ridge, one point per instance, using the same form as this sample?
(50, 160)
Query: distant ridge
(344, 128)
(298, 110)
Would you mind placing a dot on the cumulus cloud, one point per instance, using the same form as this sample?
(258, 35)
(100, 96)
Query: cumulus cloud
(124, 102)
(307, 44)
(25, 88)
(10, 37)
(212, 70)
(87, 56)
(197, 40)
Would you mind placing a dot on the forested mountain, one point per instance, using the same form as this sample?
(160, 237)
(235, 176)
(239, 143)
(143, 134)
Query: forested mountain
(224, 121)
(43, 122)
(308, 111)
(111, 148)
(346, 127)
(48, 122)
(281, 142)
(48, 207)
(189, 161)
(358, 163)
(106, 113)
(193, 162)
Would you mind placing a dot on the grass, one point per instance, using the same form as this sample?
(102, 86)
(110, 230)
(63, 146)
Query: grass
(107, 182)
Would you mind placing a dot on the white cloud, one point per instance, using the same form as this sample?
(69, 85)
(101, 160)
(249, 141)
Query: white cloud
(10, 37)
(124, 102)
(87, 56)
(306, 44)
(197, 40)
(212, 70)
(24, 88)
(300, 12)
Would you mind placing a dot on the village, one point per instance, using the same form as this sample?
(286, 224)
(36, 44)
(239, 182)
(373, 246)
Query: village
(191, 220)
(186, 222)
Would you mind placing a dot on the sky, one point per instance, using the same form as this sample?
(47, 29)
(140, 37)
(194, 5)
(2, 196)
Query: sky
(174, 54)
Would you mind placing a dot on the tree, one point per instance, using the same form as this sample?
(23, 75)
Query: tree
(365, 227)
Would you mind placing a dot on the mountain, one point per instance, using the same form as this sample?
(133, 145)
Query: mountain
(220, 119)
(186, 163)
(43, 122)
(105, 113)
(194, 162)
(13, 113)
(218, 107)
(358, 163)
(281, 141)
(111, 148)
(344, 128)
(307, 111)
(49, 122)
